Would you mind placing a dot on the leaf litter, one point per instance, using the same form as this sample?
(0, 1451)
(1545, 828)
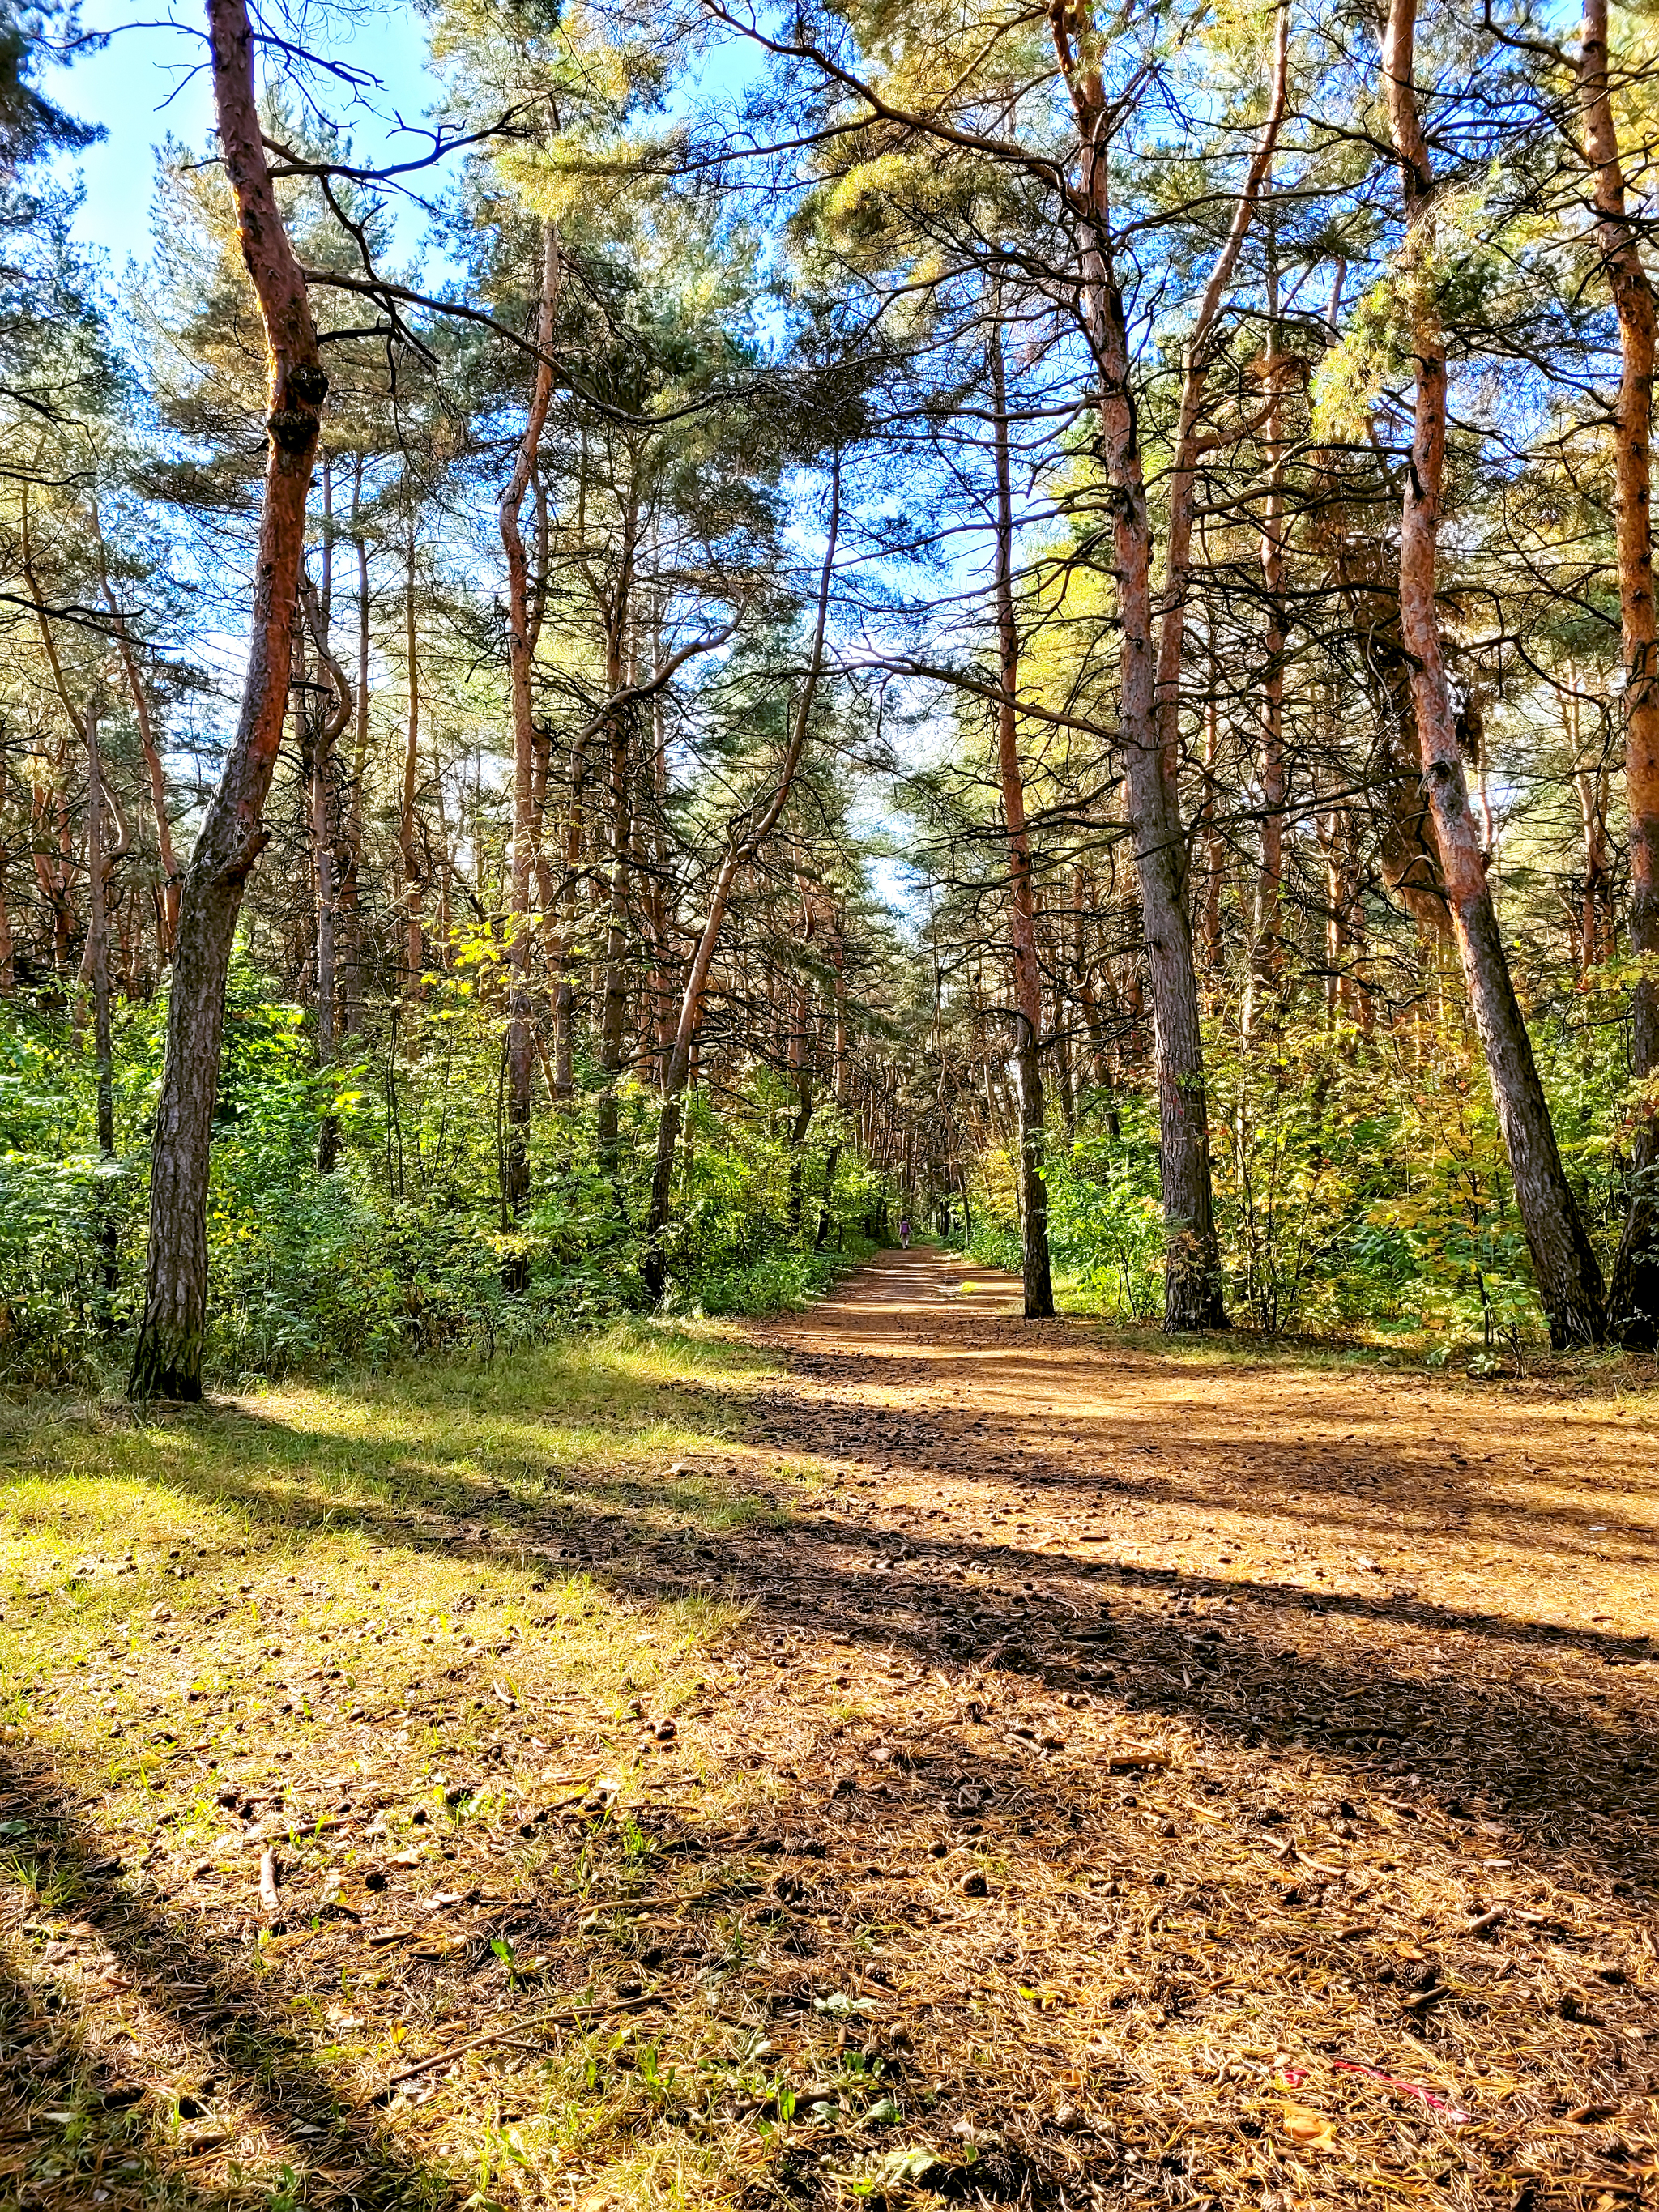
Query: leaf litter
(1011, 1786)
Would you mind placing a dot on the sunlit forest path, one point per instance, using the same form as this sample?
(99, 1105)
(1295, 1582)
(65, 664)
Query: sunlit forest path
(894, 1754)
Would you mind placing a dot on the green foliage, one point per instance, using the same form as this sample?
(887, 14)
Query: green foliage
(1361, 1185)
(400, 1249)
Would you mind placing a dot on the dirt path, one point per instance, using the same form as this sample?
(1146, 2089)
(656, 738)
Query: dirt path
(1476, 1565)
(1393, 1638)
(950, 1758)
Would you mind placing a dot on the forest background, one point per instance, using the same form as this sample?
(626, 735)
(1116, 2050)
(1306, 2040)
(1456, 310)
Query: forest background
(1042, 620)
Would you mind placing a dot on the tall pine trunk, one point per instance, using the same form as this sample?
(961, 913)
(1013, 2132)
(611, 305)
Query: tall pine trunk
(98, 874)
(617, 737)
(323, 734)
(410, 871)
(1149, 684)
(1569, 1280)
(1633, 1304)
(1021, 904)
(522, 632)
(167, 914)
(167, 1359)
(1268, 950)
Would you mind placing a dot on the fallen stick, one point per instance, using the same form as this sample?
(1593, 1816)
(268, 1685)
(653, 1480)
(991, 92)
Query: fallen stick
(566, 2016)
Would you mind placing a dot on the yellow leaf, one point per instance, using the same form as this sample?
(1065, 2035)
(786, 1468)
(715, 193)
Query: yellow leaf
(1311, 2129)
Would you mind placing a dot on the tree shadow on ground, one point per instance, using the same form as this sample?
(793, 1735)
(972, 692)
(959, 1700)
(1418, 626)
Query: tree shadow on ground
(1501, 1750)
(1536, 1714)
(80, 2127)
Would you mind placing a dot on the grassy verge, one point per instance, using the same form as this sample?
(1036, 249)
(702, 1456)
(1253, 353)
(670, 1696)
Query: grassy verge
(345, 1644)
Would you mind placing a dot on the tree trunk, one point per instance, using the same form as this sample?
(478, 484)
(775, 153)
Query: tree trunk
(168, 1360)
(1149, 691)
(351, 1013)
(172, 875)
(613, 981)
(743, 841)
(1268, 950)
(98, 963)
(522, 628)
(1569, 1280)
(1035, 1268)
(409, 857)
(1633, 1304)
(323, 734)
(561, 947)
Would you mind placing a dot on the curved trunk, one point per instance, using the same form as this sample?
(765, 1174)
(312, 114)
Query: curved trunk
(168, 1360)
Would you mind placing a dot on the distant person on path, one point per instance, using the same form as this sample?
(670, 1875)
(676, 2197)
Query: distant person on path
(904, 1232)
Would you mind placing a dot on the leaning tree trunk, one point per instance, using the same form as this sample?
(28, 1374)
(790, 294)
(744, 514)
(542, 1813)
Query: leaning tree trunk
(1569, 1280)
(1634, 1303)
(1021, 904)
(168, 1360)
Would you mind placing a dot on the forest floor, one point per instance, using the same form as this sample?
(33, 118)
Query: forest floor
(894, 1754)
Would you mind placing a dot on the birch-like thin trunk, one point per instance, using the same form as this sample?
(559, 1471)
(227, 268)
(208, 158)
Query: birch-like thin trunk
(168, 1360)
(1569, 1280)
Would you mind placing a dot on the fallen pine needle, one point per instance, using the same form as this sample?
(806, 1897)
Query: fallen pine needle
(565, 2016)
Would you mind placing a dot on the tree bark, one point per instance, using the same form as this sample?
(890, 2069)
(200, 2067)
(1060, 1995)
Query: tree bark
(1149, 688)
(1634, 1305)
(613, 984)
(1267, 951)
(323, 734)
(173, 878)
(1569, 1280)
(168, 1360)
(352, 849)
(1035, 1268)
(743, 841)
(98, 868)
(408, 858)
(522, 640)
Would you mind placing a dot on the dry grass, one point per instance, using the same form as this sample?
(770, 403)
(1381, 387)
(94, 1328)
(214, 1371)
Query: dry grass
(977, 1761)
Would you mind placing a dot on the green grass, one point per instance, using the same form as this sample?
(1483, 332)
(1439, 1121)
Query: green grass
(368, 1594)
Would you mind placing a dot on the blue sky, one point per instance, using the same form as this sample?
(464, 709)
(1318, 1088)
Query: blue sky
(148, 82)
